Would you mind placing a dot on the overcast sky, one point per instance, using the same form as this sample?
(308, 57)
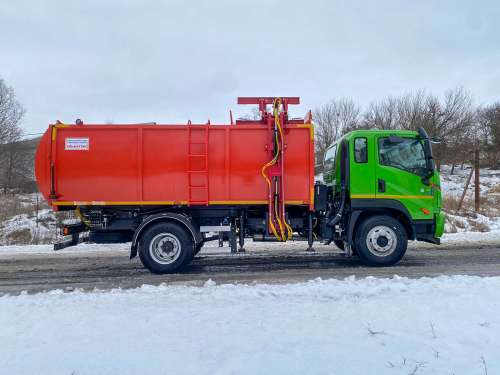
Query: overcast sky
(169, 61)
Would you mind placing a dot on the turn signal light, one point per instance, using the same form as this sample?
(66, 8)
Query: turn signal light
(425, 211)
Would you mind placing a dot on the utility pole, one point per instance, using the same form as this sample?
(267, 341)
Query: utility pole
(476, 181)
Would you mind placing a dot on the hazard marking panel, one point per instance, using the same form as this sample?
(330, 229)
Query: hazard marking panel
(76, 144)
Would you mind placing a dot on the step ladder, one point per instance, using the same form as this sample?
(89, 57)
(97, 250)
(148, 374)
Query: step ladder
(198, 193)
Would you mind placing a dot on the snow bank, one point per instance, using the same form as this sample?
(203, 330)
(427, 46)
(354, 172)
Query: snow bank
(438, 325)
(49, 249)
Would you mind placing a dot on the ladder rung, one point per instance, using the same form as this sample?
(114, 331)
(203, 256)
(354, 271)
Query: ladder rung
(204, 171)
(198, 186)
(198, 143)
(197, 155)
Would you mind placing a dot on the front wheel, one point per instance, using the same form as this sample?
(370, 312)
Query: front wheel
(165, 247)
(381, 241)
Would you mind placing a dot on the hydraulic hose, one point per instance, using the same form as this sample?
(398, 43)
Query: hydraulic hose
(282, 219)
(335, 220)
(268, 181)
(283, 232)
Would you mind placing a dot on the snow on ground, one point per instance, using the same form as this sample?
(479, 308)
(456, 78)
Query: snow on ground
(454, 184)
(470, 238)
(441, 325)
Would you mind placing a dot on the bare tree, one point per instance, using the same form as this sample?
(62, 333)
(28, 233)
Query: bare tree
(382, 115)
(17, 165)
(452, 122)
(12, 159)
(450, 119)
(253, 115)
(11, 113)
(332, 120)
(488, 132)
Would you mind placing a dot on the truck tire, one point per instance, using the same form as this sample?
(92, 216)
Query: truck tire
(381, 241)
(197, 248)
(340, 245)
(165, 248)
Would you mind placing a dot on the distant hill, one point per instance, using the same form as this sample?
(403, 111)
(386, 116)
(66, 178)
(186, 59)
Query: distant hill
(17, 170)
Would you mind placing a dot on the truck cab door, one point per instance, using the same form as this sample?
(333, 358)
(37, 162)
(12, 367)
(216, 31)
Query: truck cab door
(362, 167)
(399, 170)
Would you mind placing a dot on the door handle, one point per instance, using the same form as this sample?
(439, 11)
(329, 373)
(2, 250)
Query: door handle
(381, 186)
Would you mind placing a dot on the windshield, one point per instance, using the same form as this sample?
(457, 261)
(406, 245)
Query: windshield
(406, 154)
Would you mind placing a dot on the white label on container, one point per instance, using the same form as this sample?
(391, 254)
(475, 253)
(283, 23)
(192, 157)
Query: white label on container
(75, 144)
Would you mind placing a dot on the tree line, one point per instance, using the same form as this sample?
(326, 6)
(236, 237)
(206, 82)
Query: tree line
(461, 126)
(453, 119)
(16, 155)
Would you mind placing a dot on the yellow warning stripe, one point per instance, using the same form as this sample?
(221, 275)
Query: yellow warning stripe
(160, 203)
(57, 126)
(113, 203)
(373, 196)
(308, 126)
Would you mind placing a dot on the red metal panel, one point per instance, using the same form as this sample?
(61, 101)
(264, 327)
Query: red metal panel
(165, 163)
(106, 171)
(149, 163)
(247, 155)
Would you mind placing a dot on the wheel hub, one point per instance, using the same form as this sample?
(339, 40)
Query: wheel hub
(165, 248)
(381, 240)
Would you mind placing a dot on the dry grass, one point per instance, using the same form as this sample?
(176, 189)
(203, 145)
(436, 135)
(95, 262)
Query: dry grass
(478, 226)
(12, 205)
(22, 236)
(467, 218)
(489, 205)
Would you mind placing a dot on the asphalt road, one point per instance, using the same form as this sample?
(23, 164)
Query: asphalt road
(107, 270)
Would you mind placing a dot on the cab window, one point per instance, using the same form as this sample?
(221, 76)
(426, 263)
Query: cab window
(360, 150)
(406, 154)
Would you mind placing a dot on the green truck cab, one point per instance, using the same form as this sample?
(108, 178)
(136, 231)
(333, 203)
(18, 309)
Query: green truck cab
(384, 190)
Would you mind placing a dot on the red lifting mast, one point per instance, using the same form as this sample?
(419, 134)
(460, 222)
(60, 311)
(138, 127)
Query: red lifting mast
(273, 171)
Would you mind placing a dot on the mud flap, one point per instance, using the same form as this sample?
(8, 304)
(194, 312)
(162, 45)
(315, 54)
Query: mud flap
(75, 240)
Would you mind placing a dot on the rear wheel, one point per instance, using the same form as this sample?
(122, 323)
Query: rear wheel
(198, 247)
(165, 248)
(381, 241)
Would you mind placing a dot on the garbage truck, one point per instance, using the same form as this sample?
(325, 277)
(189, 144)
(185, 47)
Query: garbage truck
(169, 188)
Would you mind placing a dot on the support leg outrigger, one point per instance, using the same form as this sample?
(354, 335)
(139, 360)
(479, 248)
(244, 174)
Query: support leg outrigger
(241, 234)
(310, 238)
(232, 238)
